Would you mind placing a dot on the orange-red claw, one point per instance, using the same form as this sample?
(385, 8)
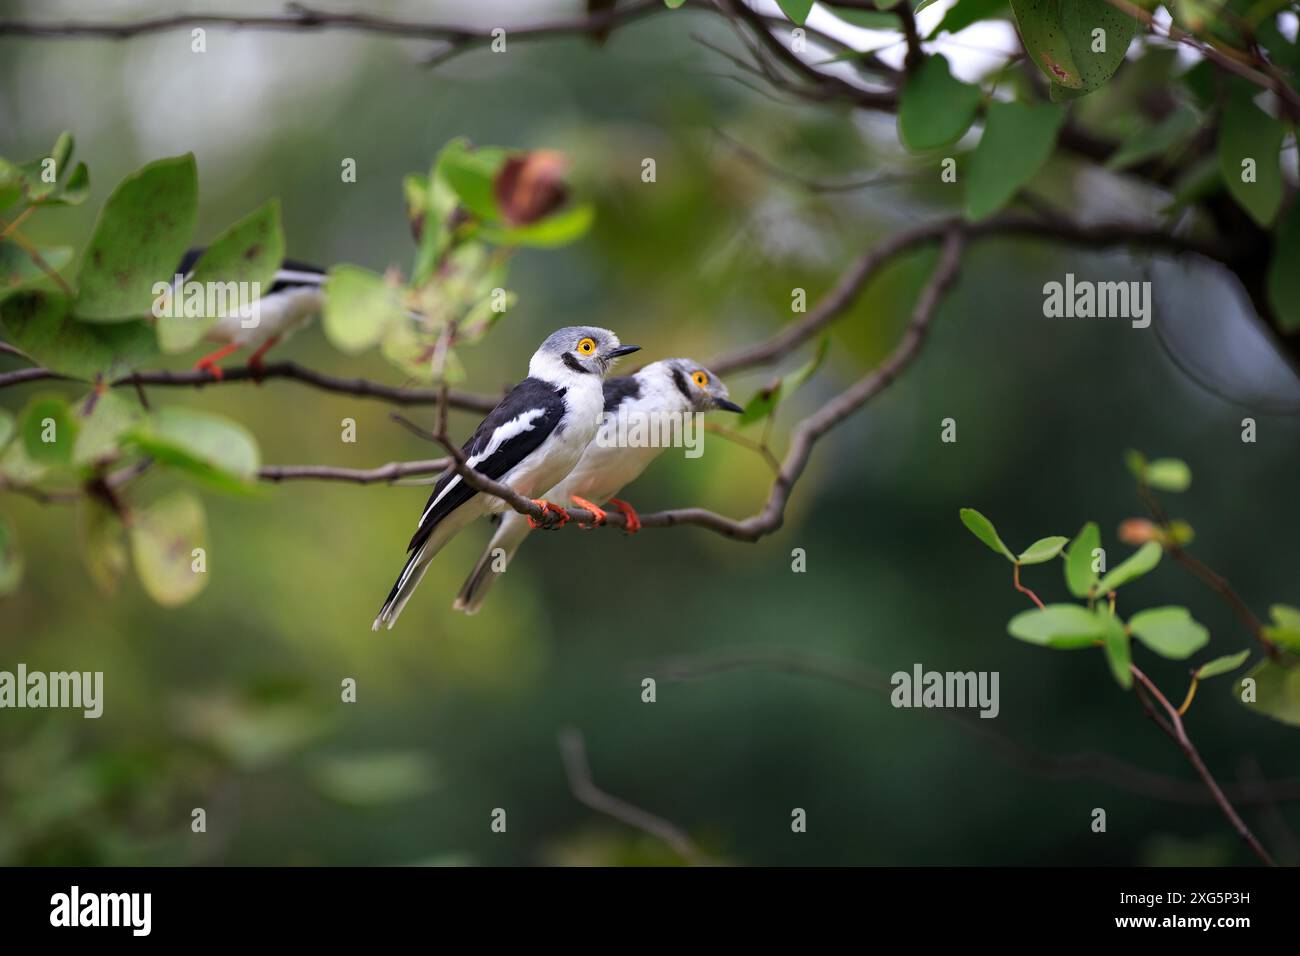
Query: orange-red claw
(255, 360)
(209, 362)
(548, 509)
(633, 520)
(211, 368)
(600, 514)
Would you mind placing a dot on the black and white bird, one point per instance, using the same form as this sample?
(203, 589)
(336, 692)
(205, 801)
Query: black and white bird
(528, 442)
(296, 296)
(656, 393)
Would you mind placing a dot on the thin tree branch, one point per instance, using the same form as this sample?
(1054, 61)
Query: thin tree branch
(573, 752)
(301, 17)
(810, 184)
(1211, 578)
(1173, 727)
(1011, 225)
(1091, 765)
(386, 474)
(1179, 736)
(290, 371)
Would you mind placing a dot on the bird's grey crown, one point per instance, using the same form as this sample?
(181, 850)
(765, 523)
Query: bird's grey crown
(567, 339)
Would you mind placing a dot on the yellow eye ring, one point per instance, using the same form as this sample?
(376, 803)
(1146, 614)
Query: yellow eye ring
(701, 379)
(587, 346)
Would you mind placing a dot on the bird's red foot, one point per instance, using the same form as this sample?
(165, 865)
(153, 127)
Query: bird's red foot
(548, 509)
(209, 362)
(255, 363)
(599, 514)
(633, 520)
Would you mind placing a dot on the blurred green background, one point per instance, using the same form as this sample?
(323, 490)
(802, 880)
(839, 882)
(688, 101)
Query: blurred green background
(231, 703)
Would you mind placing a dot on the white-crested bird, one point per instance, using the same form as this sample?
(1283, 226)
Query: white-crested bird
(295, 297)
(671, 387)
(528, 442)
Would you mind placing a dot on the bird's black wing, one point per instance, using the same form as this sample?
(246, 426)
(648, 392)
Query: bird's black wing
(511, 432)
(618, 390)
(292, 273)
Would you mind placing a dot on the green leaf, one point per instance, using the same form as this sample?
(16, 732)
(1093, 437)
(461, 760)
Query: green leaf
(1044, 549)
(1283, 276)
(673, 4)
(18, 271)
(7, 427)
(11, 559)
(1156, 141)
(966, 12)
(983, 529)
(360, 307)
(1250, 142)
(1277, 691)
(163, 539)
(1119, 655)
(1136, 463)
(1059, 36)
(1079, 576)
(935, 109)
(100, 435)
(1168, 474)
(49, 431)
(1079, 20)
(1017, 141)
(922, 5)
(12, 184)
(766, 401)
(1169, 631)
(558, 229)
(471, 173)
(103, 543)
(1285, 629)
(1201, 181)
(374, 779)
(248, 254)
(211, 448)
(41, 324)
(796, 10)
(140, 236)
(1221, 665)
(1134, 566)
(67, 189)
(1039, 23)
(867, 19)
(433, 216)
(1062, 626)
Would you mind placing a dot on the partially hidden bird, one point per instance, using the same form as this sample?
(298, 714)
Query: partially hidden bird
(656, 393)
(529, 442)
(295, 297)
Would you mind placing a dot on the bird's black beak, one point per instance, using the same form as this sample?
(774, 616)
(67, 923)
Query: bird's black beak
(623, 350)
(727, 406)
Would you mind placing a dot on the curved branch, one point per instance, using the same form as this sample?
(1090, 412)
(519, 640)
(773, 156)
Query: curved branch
(1010, 225)
(573, 752)
(1093, 765)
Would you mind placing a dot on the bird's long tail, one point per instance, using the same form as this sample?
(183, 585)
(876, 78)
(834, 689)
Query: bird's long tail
(416, 565)
(514, 529)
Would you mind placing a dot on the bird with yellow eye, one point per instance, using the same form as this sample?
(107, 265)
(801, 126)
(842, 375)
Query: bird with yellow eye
(529, 442)
(666, 388)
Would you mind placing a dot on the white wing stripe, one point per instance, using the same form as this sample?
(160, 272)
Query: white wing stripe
(292, 275)
(523, 422)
